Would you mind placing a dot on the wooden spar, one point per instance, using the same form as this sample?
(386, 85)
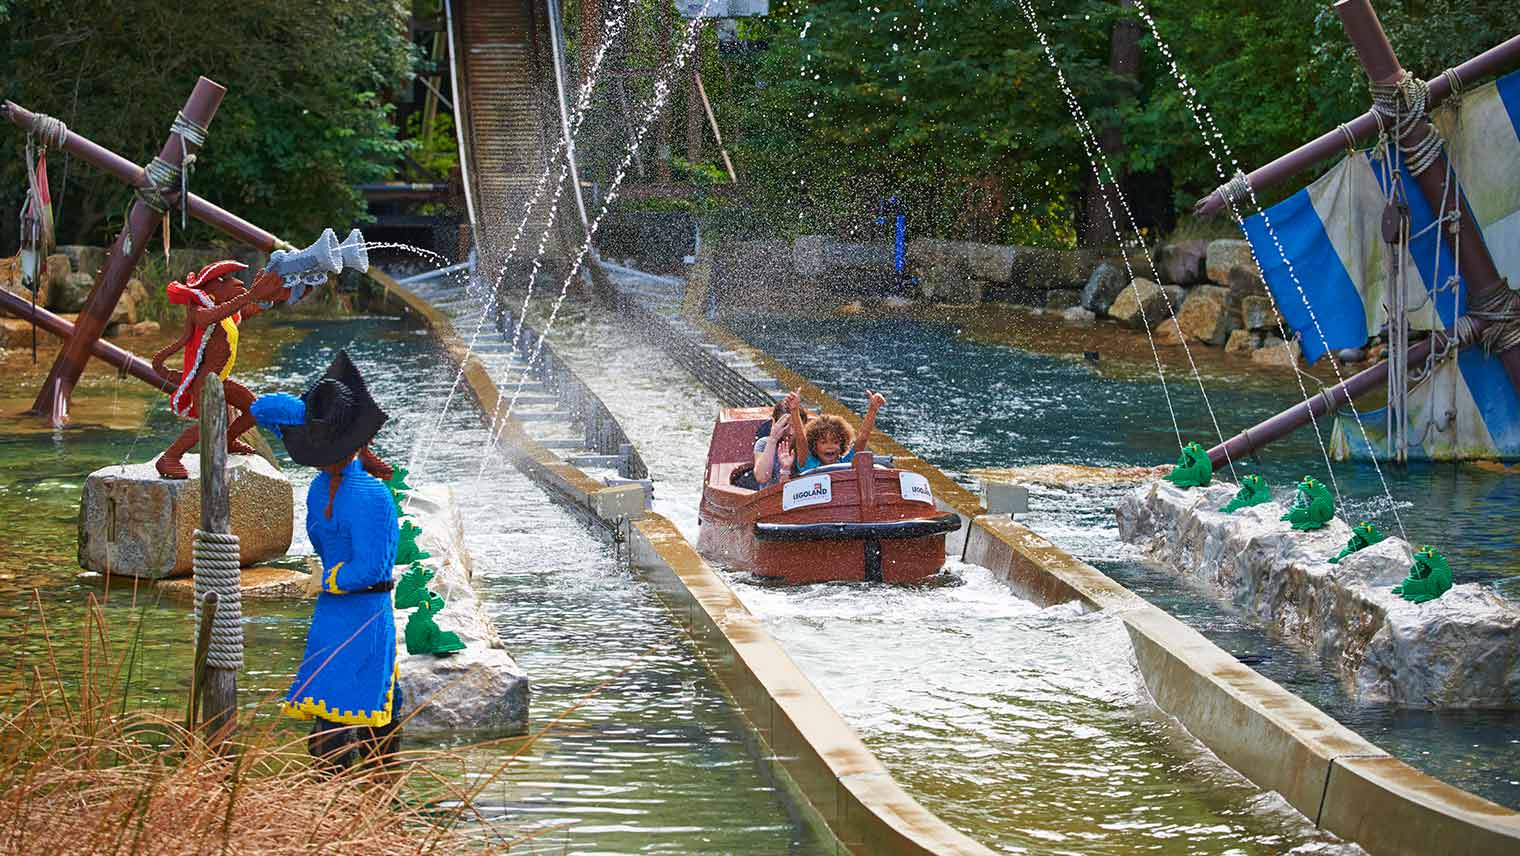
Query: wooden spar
(200, 108)
(1363, 127)
(1478, 269)
(122, 359)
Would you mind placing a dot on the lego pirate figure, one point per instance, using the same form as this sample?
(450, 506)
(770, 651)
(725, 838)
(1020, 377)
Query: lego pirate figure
(215, 303)
(347, 678)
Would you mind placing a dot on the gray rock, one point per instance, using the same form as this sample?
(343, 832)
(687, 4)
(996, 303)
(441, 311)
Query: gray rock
(134, 523)
(820, 256)
(754, 274)
(1037, 267)
(1461, 650)
(69, 294)
(1182, 262)
(1257, 313)
(1224, 255)
(1103, 286)
(1245, 281)
(1079, 317)
(481, 689)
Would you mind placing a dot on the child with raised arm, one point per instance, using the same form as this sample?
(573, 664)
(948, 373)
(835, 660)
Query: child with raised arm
(829, 438)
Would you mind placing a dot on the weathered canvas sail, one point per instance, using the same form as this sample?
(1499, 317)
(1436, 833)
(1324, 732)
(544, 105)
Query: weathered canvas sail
(1331, 231)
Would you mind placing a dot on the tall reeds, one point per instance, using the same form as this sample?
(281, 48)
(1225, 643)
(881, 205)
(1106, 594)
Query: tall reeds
(81, 773)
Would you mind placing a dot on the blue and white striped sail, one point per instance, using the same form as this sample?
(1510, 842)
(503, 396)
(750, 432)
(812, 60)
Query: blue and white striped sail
(1331, 230)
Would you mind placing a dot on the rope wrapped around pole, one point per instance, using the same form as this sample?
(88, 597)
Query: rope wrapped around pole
(218, 569)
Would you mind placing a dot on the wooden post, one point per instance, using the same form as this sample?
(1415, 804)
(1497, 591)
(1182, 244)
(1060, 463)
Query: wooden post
(733, 177)
(694, 110)
(142, 222)
(219, 687)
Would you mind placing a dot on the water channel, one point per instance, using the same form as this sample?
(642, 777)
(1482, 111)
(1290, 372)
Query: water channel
(1028, 729)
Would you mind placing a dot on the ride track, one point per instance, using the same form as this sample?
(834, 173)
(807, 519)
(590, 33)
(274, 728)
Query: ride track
(1330, 774)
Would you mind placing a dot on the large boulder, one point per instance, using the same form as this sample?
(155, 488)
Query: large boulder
(1242, 342)
(754, 274)
(480, 690)
(836, 271)
(1224, 255)
(1459, 650)
(69, 294)
(944, 272)
(1182, 262)
(1103, 286)
(1206, 315)
(1040, 268)
(134, 523)
(1141, 305)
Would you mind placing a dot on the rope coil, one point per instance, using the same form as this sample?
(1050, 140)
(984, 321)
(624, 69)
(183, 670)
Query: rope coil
(1237, 190)
(218, 568)
(51, 130)
(162, 177)
(1405, 105)
(1501, 309)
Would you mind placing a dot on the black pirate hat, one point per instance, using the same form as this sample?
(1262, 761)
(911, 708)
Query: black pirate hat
(341, 417)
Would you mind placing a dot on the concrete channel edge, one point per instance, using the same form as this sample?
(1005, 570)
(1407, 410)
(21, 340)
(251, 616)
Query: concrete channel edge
(806, 740)
(1329, 773)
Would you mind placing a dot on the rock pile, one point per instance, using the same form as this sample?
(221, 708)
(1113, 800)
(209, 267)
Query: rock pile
(1460, 650)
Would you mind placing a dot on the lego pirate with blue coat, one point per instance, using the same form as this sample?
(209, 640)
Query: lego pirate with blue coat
(347, 679)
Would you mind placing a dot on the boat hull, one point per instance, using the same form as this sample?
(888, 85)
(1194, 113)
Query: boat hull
(855, 522)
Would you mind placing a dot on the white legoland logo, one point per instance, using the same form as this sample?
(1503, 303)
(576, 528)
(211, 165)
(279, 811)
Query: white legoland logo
(808, 490)
(915, 487)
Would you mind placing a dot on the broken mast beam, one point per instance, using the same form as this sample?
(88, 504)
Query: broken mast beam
(121, 358)
(1363, 127)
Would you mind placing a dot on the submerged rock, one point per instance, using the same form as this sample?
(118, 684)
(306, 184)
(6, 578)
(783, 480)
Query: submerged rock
(1461, 650)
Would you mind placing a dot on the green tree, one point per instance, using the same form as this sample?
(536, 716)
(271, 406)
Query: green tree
(304, 120)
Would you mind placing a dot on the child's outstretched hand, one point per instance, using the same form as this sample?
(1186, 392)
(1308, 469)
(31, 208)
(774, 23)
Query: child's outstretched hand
(875, 400)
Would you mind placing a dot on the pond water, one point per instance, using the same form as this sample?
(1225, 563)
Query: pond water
(653, 761)
(964, 402)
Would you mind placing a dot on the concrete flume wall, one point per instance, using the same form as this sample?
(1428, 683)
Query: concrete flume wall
(1328, 772)
(822, 761)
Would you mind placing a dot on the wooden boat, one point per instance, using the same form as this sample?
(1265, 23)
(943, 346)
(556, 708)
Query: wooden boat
(856, 521)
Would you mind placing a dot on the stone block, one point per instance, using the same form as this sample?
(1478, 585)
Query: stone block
(1037, 267)
(134, 523)
(85, 259)
(1242, 342)
(1182, 262)
(1258, 313)
(1206, 315)
(136, 299)
(1273, 352)
(754, 274)
(820, 256)
(1103, 286)
(70, 294)
(1141, 305)
(1226, 254)
(257, 583)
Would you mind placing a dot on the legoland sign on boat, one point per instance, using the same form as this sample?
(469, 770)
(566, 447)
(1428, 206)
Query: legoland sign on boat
(810, 490)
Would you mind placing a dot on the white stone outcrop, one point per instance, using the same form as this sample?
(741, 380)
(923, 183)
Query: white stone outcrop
(481, 689)
(1460, 650)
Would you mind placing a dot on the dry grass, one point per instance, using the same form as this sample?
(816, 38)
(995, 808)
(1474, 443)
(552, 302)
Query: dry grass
(80, 774)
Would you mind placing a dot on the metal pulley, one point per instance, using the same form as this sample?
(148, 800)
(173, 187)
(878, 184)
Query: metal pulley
(1395, 215)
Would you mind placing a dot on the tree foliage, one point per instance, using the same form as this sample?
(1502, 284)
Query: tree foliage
(953, 106)
(305, 117)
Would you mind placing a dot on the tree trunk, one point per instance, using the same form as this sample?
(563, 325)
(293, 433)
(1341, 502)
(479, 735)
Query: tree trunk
(1100, 229)
(590, 35)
